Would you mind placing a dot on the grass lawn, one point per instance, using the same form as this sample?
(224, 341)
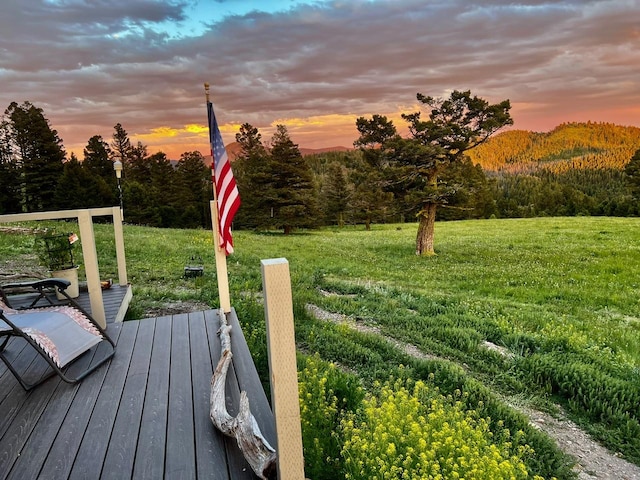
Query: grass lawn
(561, 294)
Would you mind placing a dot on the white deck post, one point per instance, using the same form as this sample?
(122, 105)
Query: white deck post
(85, 223)
(119, 237)
(278, 308)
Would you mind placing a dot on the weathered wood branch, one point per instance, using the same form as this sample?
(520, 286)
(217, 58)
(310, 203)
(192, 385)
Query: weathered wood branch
(256, 449)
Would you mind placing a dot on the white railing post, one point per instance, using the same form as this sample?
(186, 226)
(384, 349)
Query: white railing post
(119, 237)
(278, 308)
(90, 256)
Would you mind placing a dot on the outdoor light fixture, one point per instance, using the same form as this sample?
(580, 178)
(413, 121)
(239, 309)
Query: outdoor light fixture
(117, 166)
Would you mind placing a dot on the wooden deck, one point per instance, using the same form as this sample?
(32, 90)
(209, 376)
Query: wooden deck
(145, 414)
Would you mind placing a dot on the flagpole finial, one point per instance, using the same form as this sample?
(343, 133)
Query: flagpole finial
(206, 90)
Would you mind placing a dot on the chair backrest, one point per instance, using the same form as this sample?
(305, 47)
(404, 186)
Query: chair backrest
(62, 332)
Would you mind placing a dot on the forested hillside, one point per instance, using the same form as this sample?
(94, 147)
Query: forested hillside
(575, 169)
(566, 147)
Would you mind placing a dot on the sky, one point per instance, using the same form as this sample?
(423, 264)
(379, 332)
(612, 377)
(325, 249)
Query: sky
(313, 66)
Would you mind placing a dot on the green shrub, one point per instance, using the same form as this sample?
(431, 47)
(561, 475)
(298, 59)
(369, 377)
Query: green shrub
(326, 394)
(416, 433)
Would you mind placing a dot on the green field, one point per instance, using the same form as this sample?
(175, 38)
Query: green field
(560, 294)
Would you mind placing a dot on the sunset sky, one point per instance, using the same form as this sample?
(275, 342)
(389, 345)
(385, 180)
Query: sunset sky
(314, 66)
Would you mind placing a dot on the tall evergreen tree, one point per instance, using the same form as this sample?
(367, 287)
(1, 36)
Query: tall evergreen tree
(136, 166)
(194, 190)
(98, 162)
(10, 174)
(632, 175)
(97, 158)
(335, 194)
(120, 143)
(149, 189)
(369, 202)
(10, 193)
(291, 190)
(163, 188)
(79, 187)
(38, 153)
(251, 170)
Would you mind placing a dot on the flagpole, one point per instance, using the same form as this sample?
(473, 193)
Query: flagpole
(221, 255)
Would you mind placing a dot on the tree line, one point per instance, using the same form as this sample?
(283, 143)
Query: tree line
(36, 174)
(384, 179)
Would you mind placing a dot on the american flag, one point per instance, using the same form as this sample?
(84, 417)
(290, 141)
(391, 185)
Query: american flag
(224, 184)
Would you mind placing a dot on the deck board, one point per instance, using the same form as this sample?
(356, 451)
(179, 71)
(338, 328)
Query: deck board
(153, 430)
(145, 414)
(122, 444)
(90, 457)
(180, 456)
(210, 449)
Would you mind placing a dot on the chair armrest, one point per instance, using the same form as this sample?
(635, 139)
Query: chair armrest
(42, 287)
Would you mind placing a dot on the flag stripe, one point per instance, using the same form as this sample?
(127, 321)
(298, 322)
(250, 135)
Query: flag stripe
(228, 198)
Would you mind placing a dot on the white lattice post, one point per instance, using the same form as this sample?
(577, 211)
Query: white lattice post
(278, 307)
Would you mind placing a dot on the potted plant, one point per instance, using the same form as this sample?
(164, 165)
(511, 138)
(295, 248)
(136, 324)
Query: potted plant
(55, 251)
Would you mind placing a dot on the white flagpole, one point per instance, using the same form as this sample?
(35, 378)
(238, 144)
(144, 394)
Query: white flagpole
(221, 255)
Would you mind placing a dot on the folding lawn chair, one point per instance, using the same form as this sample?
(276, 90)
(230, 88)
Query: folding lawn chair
(60, 333)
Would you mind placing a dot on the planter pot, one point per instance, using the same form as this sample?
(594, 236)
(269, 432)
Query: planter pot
(70, 274)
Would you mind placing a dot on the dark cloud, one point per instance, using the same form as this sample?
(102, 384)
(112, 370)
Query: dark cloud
(92, 64)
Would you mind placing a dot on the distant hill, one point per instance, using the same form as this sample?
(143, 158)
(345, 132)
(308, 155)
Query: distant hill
(568, 146)
(233, 149)
(589, 145)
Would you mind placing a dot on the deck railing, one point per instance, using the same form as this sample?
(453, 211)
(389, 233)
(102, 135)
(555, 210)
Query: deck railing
(89, 254)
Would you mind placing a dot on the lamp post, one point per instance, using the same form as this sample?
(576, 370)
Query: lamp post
(117, 166)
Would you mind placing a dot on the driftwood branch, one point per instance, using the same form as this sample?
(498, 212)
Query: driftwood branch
(256, 449)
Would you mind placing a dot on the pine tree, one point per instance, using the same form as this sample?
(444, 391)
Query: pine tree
(251, 170)
(336, 194)
(369, 202)
(194, 190)
(120, 143)
(632, 175)
(98, 162)
(38, 153)
(291, 189)
(454, 126)
(10, 174)
(87, 189)
(97, 159)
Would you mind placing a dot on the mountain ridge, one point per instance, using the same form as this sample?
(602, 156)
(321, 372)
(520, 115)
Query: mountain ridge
(570, 145)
